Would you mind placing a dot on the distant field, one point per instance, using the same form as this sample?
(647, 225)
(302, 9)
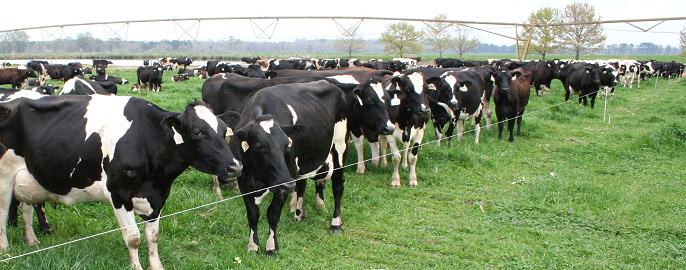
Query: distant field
(575, 191)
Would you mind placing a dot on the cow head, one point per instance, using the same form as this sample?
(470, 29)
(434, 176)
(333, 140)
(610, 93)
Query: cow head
(266, 146)
(371, 100)
(100, 70)
(445, 90)
(503, 78)
(413, 86)
(202, 137)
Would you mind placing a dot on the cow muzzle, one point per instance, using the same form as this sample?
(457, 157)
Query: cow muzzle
(387, 130)
(286, 187)
(231, 171)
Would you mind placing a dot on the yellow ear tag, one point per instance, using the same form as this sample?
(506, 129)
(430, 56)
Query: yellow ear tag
(229, 134)
(177, 137)
(245, 146)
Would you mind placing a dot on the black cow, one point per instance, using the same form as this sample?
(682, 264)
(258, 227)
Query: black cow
(215, 67)
(511, 95)
(543, 76)
(101, 62)
(185, 62)
(64, 72)
(124, 150)
(81, 86)
(298, 131)
(250, 60)
(149, 77)
(608, 83)
(108, 78)
(100, 70)
(254, 71)
(409, 112)
(16, 77)
(449, 63)
(583, 81)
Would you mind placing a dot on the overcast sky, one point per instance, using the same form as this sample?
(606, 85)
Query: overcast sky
(53, 13)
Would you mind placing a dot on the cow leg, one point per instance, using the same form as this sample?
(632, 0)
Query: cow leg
(374, 148)
(132, 237)
(439, 133)
(450, 131)
(477, 128)
(593, 95)
(359, 147)
(460, 129)
(489, 113)
(216, 188)
(510, 127)
(273, 217)
(319, 203)
(299, 193)
(12, 215)
(519, 123)
(42, 218)
(412, 158)
(383, 145)
(29, 234)
(152, 236)
(337, 180)
(253, 214)
(395, 178)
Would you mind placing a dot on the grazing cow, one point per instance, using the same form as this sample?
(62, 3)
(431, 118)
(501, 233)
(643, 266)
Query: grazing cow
(101, 62)
(149, 77)
(511, 95)
(123, 150)
(180, 78)
(16, 77)
(250, 60)
(108, 78)
(409, 112)
(81, 86)
(298, 131)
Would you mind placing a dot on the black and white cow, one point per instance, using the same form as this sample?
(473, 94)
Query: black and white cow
(466, 91)
(150, 76)
(101, 62)
(180, 77)
(184, 62)
(297, 131)
(408, 110)
(81, 86)
(108, 78)
(123, 150)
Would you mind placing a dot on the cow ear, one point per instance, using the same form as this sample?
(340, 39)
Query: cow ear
(5, 112)
(241, 135)
(230, 118)
(270, 74)
(516, 74)
(294, 131)
(171, 125)
(434, 80)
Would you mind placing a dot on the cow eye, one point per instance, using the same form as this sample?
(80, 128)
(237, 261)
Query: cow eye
(197, 133)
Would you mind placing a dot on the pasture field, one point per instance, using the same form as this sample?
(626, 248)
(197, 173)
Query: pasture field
(573, 192)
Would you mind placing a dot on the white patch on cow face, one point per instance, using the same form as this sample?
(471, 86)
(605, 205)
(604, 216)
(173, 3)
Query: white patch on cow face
(417, 80)
(378, 89)
(451, 81)
(141, 206)
(267, 125)
(205, 114)
(293, 114)
(345, 79)
(105, 116)
(258, 200)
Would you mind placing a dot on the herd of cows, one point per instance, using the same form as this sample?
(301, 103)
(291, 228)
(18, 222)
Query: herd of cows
(268, 125)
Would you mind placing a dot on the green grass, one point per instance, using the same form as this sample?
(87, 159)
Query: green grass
(574, 192)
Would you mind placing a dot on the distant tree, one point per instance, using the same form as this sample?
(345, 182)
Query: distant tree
(682, 41)
(350, 42)
(437, 34)
(544, 40)
(401, 38)
(463, 42)
(14, 42)
(582, 38)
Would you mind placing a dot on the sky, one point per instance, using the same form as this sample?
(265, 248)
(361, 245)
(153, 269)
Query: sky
(288, 29)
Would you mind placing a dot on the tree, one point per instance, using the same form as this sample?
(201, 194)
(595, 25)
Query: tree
(582, 38)
(462, 42)
(15, 42)
(350, 41)
(401, 38)
(437, 34)
(544, 39)
(682, 41)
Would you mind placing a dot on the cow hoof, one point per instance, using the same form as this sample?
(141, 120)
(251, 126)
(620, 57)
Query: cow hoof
(395, 185)
(270, 253)
(46, 232)
(360, 170)
(335, 229)
(413, 184)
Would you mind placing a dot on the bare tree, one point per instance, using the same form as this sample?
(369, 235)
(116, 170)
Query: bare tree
(582, 38)
(350, 41)
(437, 34)
(401, 38)
(463, 42)
(544, 40)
